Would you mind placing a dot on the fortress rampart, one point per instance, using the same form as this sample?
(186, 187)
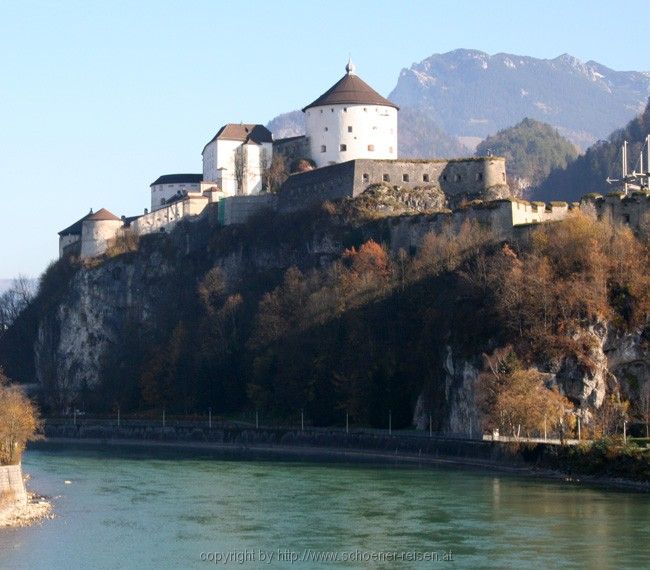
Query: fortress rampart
(472, 177)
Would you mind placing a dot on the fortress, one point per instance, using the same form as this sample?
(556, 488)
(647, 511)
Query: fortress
(350, 144)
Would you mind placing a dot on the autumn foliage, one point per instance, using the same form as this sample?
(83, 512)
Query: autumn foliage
(19, 422)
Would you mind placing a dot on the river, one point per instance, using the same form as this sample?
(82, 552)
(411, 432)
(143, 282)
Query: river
(120, 510)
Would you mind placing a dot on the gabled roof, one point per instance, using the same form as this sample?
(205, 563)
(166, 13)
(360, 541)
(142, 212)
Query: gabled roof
(178, 179)
(350, 90)
(102, 215)
(75, 229)
(243, 132)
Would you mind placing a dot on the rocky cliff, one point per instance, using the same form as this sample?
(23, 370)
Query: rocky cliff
(184, 321)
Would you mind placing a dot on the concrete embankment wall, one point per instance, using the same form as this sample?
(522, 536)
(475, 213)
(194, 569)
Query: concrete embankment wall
(12, 487)
(334, 440)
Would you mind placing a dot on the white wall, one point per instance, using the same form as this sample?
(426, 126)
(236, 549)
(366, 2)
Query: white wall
(95, 235)
(219, 165)
(163, 192)
(65, 241)
(372, 125)
(168, 216)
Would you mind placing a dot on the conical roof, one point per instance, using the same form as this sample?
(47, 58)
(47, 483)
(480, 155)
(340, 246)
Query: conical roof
(350, 90)
(102, 215)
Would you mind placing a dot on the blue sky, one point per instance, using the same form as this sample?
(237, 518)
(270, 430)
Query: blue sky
(97, 99)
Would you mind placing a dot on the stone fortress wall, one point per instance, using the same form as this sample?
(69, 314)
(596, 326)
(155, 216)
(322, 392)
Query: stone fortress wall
(473, 177)
(504, 216)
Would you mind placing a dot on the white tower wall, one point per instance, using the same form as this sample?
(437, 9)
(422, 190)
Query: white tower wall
(338, 133)
(95, 235)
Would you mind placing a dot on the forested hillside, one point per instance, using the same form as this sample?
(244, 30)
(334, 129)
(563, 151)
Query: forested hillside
(589, 172)
(322, 317)
(532, 150)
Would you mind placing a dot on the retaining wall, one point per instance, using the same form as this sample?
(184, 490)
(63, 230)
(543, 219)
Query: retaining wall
(12, 487)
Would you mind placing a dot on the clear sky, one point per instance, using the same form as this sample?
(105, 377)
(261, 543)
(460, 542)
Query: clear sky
(97, 99)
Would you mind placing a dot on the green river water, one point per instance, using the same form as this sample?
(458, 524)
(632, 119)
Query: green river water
(147, 511)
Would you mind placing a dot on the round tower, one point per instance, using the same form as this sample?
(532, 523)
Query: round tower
(349, 121)
(97, 230)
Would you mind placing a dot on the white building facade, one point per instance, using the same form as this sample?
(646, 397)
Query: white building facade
(236, 158)
(349, 121)
(171, 187)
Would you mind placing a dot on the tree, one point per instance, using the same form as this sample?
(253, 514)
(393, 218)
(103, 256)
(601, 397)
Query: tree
(532, 150)
(241, 168)
(274, 172)
(19, 422)
(512, 398)
(15, 300)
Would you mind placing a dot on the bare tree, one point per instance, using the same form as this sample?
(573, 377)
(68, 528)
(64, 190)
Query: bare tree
(274, 171)
(15, 300)
(241, 168)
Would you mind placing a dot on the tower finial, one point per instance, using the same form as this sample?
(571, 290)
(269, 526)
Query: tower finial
(350, 68)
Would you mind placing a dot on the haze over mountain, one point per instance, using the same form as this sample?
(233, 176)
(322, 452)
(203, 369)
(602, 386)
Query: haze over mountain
(472, 94)
(467, 95)
(419, 135)
(589, 172)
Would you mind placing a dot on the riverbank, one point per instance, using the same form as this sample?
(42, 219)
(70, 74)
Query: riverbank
(36, 509)
(322, 454)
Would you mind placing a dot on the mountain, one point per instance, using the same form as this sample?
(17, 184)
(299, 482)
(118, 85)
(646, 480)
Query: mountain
(419, 135)
(289, 124)
(532, 150)
(469, 93)
(589, 172)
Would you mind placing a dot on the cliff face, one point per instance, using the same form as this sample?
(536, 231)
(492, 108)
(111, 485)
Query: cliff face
(617, 363)
(418, 347)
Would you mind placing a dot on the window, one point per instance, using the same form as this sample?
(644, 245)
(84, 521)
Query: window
(321, 111)
(349, 129)
(326, 129)
(386, 178)
(345, 109)
(405, 177)
(390, 149)
(332, 109)
(343, 147)
(504, 176)
(371, 147)
(425, 178)
(323, 148)
(366, 177)
(444, 177)
(457, 178)
(365, 108)
(479, 176)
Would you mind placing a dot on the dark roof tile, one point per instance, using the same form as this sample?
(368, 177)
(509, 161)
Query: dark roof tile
(178, 178)
(350, 90)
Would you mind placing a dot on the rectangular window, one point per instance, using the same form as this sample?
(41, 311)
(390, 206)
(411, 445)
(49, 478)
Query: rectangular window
(390, 149)
(323, 148)
(349, 129)
(405, 177)
(371, 147)
(386, 178)
(479, 176)
(425, 178)
(343, 147)
(366, 177)
(326, 129)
